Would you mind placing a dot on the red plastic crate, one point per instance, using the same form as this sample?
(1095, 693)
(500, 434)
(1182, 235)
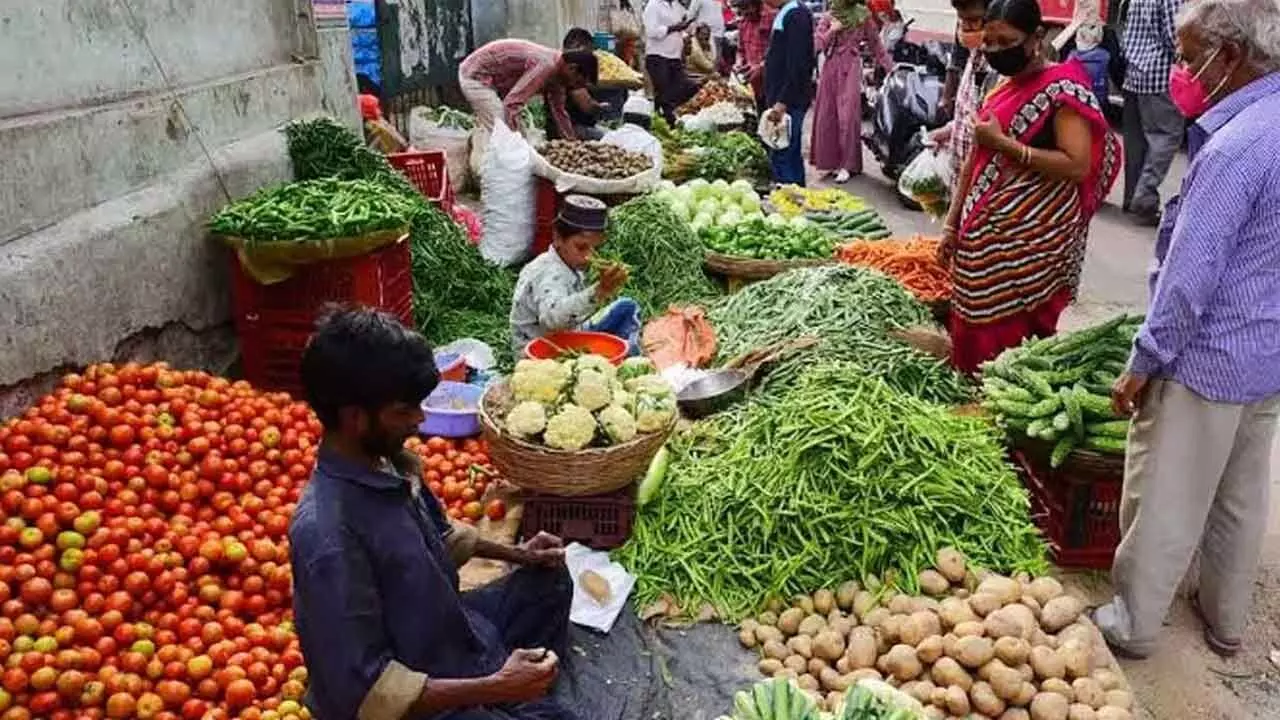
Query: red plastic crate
(602, 522)
(273, 322)
(545, 206)
(428, 170)
(1076, 506)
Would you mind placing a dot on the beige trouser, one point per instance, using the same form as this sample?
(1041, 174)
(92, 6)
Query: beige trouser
(1196, 476)
(487, 107)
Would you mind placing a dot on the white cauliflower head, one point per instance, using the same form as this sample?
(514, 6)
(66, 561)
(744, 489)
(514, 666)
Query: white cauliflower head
(650, 385)
(654, 412)
(618, 423)
(592, 390)
(526, 419)
(539, 380)
(634, 367)
(624, 400)
(599, 363)
(571, 428)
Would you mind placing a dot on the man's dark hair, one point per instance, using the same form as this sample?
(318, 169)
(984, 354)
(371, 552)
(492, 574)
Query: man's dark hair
(962, 5)
(643, 121)
(1023, 15)
(578, 39)
(360, 357)
(586, 64)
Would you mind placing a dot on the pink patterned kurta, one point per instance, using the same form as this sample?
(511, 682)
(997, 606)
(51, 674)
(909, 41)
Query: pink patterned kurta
(837, 111)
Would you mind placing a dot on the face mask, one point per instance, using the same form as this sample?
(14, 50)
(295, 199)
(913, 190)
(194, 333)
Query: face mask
(1009, 61)
(971, 39)
(1187, 91)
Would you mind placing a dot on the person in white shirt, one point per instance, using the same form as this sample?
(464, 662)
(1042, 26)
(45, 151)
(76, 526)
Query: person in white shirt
(664, 23)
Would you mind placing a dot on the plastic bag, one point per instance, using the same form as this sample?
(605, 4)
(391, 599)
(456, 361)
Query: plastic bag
(681, 336)
(776, 135)
(927, 179)
(637, 104)
(507, 190)
(636, 139)
(426, 134)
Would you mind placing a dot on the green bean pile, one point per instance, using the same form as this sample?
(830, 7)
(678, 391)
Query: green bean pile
(315, 210)
(322, 148)
(663, 252)
(849, 309)
(839, 477)
(456, 292)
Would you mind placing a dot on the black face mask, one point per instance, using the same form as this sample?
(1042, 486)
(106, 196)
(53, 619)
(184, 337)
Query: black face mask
(1009, 61)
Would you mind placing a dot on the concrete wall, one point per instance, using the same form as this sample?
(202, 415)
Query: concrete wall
(542, 21)
(120, 134)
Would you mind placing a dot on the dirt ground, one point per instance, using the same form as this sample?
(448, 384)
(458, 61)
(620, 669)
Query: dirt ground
(1183, 679)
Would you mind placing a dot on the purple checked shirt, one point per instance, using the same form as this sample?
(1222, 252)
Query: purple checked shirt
(1214, 320)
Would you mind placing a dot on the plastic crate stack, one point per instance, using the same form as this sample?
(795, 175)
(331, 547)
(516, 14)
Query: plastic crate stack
(1076, 506)
(273, 322)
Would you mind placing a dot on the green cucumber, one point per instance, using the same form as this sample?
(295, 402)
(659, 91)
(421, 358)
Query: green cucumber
(653, 477)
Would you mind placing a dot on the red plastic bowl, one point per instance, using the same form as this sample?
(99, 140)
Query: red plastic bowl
(596, 343)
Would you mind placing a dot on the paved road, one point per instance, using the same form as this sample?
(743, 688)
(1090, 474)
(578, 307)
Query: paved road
(1183, 680)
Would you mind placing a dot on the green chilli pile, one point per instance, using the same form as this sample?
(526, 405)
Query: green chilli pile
(664, 253)
(849, 310)
(839, 476)
(456, 292)
(312, 210)
(1058, 389)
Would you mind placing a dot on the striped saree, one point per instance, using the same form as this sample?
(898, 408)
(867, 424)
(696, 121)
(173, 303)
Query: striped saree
(1021, 240)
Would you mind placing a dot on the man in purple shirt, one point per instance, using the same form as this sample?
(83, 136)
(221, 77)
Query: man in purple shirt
(1203, 383)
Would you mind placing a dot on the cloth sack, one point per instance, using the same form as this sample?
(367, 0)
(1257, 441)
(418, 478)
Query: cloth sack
(507, 190)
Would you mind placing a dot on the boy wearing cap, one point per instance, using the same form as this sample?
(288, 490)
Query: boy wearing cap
(552, 293)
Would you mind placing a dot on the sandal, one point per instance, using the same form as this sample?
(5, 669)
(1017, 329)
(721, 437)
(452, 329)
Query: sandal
(1222, 648)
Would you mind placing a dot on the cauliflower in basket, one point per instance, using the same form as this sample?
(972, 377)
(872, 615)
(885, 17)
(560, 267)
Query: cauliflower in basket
(599, 363)
(635, 367)
(539, 380)
(572, 428)
(591, 390)
(653, 412)
(618, 424)
(624, 399)
(649, 385)
(526, 419)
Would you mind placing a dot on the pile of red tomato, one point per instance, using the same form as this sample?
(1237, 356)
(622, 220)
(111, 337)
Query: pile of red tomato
(144, 564)
(458, 473)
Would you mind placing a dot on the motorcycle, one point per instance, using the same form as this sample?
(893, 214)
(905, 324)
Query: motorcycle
(907, 102)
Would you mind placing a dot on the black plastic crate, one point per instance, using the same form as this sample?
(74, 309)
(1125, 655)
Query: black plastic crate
(601, 522)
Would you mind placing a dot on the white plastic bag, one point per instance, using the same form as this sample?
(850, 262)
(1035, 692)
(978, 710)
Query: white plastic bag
(927, 179)
(585, 610)
(637, 104)
(507, 191)
(425, 134)
(636, 139)
(775, 135)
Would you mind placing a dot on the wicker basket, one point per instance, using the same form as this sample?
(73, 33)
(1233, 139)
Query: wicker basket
(592, 471)
(1081, 463)
(743, 268)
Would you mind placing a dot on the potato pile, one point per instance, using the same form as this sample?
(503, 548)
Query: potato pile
(976, 645)
(595, 159)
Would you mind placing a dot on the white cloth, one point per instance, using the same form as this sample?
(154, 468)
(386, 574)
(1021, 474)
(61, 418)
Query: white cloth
(709, 13)
(585, 610)
(659, 16)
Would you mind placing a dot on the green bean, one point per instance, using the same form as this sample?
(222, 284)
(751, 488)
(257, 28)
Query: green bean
(850, 310)
(771, 504)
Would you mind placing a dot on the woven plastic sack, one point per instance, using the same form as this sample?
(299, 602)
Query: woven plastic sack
(507, 191)
(426, 134)
(681, 336)
(571, 182)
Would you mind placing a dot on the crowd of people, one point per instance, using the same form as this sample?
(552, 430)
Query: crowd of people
(1033, 156)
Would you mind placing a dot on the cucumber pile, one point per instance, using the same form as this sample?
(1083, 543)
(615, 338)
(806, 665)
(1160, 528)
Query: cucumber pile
(1058, 389)
(865, 224)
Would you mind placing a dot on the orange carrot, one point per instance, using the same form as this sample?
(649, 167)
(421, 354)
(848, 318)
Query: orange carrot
(911, 261)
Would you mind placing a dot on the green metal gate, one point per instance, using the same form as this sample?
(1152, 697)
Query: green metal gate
(423, 42)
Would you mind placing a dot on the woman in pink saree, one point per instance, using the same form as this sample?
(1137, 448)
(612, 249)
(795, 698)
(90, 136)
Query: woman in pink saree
(836, 147)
